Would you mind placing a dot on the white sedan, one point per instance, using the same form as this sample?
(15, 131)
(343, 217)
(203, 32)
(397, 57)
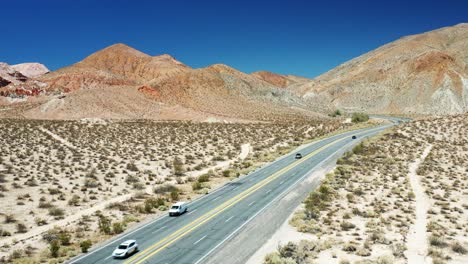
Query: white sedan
(125, 249)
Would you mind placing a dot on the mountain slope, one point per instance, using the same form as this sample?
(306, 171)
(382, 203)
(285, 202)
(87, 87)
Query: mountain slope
(155, 84)
(279, 80)
(423, 74)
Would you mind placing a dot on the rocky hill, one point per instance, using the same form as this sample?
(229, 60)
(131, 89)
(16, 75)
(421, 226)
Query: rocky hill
(422, 74)
(122, 82)
(17, 81)
(31, 69)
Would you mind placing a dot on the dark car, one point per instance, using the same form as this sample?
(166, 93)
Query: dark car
(298, 156)
(353, 137)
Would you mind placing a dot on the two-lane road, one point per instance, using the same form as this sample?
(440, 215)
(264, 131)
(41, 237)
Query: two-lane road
(214, 218)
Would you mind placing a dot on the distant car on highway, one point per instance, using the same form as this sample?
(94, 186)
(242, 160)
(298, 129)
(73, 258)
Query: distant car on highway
(353, 137)
(298, 156)
(125, 249)
(178, 209)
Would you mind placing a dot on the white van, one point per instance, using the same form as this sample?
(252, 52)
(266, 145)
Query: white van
(178, 209)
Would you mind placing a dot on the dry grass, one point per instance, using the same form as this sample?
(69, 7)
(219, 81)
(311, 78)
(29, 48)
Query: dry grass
(50, 170)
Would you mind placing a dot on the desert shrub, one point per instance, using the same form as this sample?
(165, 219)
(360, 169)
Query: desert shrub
(151, 203)
(227, 173)
(21, 228)
(4, 233)
(118, 228)
(275, 258)
(54, 191)
(459, 248)
(347, 225)
(197, 186)
(363, 252)
(359, 117)
(132, 167)
(165, 188)
(138, 186)
(56, 212)
(45, 205)
(131, 179)
(75, 200)
(85, 245)
(9, 218)
(16, 254)
(384, 260)
(437, 241)
(288, 250)
(104, 224)
(40, 221)
(54, 248)
(175, 195)
(318, 200)
(398, 250)
(91, 183)
(358, 149)
(335, 113)
(204, 178)
(349, 247)
(64, 237)
(178, 166)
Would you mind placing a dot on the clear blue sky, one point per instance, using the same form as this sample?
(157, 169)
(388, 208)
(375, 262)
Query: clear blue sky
(304, 38)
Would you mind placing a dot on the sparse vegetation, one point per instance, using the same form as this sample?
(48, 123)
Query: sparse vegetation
(68, 166)
(85, 245)
(367, 205)
(359, 117)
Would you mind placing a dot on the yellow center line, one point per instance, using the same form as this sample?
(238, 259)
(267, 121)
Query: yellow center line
(216, 211)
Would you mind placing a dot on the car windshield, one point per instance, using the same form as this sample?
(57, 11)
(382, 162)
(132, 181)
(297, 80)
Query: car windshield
(175, 207)
(123, 247)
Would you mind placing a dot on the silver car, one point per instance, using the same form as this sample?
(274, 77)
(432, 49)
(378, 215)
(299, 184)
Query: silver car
(125, 249)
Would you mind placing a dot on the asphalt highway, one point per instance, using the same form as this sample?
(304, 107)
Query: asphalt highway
(214, 218)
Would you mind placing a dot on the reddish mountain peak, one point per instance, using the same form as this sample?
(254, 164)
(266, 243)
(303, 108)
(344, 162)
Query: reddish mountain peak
(121, 48)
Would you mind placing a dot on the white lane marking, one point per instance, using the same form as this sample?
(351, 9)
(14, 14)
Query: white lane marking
(229, 219)
(281, 182)
(235, 188)
(192, 211)
(199, 240)
(216, 198)
(108, 257)
(283, 193)
(158, 229)
(251, 203)
(268, 191)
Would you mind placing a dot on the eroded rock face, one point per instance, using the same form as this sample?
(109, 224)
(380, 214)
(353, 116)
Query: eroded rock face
(31, 69)
(273, 78)
(16, 84)
(422, 74)
(18, 76)
(4, 82)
